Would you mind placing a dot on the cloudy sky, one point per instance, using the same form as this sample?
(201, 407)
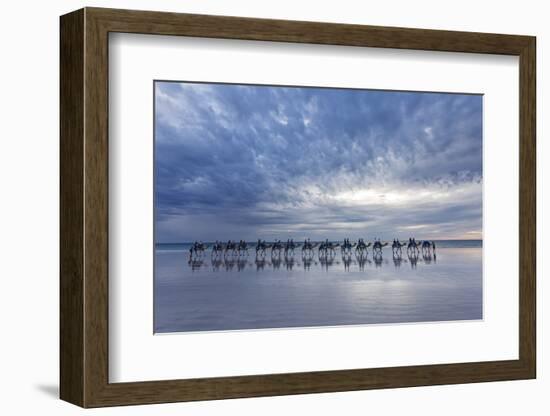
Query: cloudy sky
(249, 162)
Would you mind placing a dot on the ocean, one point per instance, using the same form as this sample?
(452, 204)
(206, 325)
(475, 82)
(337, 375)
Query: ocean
(220, 293)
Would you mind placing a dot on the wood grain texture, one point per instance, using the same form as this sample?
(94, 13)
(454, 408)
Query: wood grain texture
(162, 23)
(528, 207)
(96, 208)
(84, 207)
(72, 215)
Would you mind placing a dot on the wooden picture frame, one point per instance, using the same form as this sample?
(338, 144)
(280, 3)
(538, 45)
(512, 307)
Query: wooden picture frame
(84, 207)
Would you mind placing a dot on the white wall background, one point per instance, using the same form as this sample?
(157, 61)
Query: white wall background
(29, 209)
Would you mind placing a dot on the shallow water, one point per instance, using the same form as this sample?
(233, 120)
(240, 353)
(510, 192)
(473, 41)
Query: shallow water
(208, 295)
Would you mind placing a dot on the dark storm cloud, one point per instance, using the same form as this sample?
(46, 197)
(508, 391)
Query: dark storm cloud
(252, 161)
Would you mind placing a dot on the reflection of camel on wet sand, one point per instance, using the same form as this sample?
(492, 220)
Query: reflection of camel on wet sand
(362, 260)
(276, 262)
(413, 258)
(377, 256)
(326, 261)
(307, 262)
(428, 256)
(196, 263)
(235, 263)
(260, 263)
(290, 262)
(346, 260)
(241, 264)
(397, 260)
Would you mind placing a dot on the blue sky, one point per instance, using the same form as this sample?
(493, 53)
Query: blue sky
(249, 162)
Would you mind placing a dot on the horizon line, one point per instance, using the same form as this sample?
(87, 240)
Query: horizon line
(420, 239)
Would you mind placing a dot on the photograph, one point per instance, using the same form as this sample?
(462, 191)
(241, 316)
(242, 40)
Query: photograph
(299, 206)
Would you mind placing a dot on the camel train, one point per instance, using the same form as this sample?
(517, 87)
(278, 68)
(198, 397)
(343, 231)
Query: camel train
(324, 249)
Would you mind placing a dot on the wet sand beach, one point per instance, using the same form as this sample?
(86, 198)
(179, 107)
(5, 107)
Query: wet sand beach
(209, 294)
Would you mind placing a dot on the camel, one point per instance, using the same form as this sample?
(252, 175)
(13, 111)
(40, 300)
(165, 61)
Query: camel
(289, 248)
(231, 247)
(347, 246)
(412, 246)
(361, 248)
(327, 249)
(197, 249)
(396, 247)
(307, 248)
(242, 248)
(276, 249)
(377, 246)
(261, 248)
(217, 249)
(428, 247)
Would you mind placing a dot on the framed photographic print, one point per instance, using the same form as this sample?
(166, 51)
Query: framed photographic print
(255, 207)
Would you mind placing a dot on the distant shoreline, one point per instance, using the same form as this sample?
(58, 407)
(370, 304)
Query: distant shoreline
(438, 243)
(318, 241)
